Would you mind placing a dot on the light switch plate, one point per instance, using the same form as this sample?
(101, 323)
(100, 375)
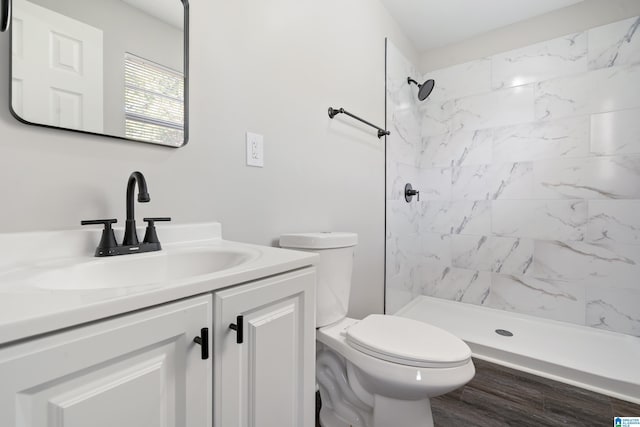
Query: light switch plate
(255, 150)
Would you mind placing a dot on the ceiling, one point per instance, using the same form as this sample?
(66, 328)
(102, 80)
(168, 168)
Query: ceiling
(168, 11)
(435, 23)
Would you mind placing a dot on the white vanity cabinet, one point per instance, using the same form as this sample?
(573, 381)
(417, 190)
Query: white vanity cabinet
(137, 370)
(267, 380)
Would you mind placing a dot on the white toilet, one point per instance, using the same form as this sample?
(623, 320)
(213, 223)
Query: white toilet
(382, 370)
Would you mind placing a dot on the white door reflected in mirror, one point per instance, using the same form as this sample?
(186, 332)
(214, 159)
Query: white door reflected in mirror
(57, 69)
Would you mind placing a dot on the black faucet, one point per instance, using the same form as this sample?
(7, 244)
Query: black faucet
(130, 234)
(130, 244)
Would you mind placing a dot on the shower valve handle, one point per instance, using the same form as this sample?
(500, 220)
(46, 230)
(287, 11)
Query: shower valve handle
(409, 192)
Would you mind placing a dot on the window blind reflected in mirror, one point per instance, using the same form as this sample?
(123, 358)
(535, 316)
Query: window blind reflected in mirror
(154, 102)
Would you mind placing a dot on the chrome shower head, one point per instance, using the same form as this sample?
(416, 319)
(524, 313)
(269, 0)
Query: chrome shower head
(424, 89)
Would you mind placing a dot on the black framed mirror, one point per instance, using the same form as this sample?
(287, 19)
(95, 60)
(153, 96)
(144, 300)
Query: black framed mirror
(117, 68)
(5, 14)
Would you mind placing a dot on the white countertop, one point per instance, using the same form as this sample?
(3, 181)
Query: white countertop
(28, 309)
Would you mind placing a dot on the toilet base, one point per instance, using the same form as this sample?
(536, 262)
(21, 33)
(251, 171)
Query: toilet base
(387, 413)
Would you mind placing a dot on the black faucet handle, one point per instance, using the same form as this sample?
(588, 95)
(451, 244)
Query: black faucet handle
(152, 220)
(150, 235)
(108, 240)
(106, 222)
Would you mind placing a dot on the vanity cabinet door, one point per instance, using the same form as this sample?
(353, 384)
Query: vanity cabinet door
(137, 370)
(268, 380)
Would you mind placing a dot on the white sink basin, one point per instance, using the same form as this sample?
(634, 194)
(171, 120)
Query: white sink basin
(143, 269)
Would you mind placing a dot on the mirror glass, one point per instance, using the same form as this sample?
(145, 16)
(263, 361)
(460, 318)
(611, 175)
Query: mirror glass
(110, 67)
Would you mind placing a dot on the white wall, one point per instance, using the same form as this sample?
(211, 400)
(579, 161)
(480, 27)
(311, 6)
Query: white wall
(572, 19)
(267, 67)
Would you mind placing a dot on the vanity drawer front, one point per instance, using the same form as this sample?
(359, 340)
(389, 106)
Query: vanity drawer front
(140, 369)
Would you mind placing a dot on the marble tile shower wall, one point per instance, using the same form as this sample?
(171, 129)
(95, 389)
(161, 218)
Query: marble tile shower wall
(528, 166)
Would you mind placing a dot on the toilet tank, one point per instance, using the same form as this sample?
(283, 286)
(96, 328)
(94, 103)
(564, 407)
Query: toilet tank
(334, 270)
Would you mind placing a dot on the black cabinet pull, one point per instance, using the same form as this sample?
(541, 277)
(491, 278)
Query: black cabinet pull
(239, 328)
(203, 342)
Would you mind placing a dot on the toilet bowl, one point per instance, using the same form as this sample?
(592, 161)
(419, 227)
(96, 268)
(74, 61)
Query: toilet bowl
(382, 370)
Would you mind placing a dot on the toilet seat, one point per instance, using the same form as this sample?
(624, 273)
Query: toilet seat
(407, 342)
(389, 378)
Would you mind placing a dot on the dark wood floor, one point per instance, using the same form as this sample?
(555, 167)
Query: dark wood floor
(499, 396)
(503, 397)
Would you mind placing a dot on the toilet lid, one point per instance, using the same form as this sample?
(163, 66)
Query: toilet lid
(407, 342)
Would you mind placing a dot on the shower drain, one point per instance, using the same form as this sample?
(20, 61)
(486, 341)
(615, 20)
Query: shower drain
(504, 332)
